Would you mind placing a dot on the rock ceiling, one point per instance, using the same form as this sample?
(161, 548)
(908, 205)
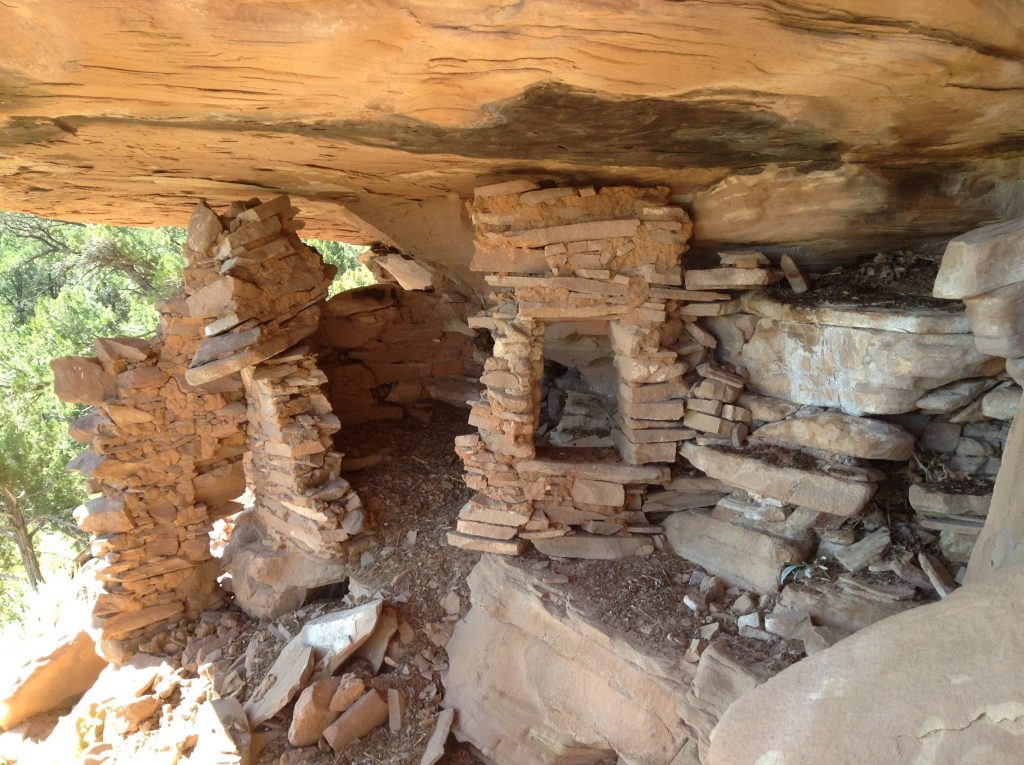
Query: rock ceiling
(820, 128)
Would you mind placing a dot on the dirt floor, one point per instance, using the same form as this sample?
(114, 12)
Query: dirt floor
(416, 491)
(900, 280)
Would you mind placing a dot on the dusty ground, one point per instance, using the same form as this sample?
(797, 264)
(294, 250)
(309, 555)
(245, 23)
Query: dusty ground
(900, 280)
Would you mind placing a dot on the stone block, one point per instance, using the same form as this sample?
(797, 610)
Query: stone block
(742, 557)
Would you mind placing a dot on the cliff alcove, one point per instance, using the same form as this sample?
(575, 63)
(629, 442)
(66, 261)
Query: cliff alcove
(680, 425)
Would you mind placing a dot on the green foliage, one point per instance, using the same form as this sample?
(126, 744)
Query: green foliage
(61, 286)
(351, 273)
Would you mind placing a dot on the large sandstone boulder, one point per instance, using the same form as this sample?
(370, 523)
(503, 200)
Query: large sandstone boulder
(824, 128)
(533, 680)
(937, 685)
(855, 369)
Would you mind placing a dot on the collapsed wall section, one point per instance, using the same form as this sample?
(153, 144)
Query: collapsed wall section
(387, 351)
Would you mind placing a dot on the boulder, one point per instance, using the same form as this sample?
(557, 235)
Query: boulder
(64, 670)
(854, 369)
(920, 687)
(841, 434)
(982, 260)
(533, 680)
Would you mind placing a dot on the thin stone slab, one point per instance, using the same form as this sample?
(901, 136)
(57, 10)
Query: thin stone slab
(915, 320)
(435, 745)
(806, 488)
(740, 556)
(286, 677)
(480, 544)
(598, 471)
(841, 434)
(593, 547)
(930, 499)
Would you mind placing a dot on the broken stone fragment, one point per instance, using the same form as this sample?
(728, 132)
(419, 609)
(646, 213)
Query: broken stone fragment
(435, 745)
(862, 554)
(78, 379)
(223, 733)
(285, 677)
(336, 636)
(937, 574)
(349, 690)
(363, 717)
(63, 669)
(312, 712)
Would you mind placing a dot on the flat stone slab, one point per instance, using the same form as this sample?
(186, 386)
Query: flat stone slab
(856, 370)
(933, 500)
(841, 434)
(594, 547)
(982, 260)
(806, 488)
(742, 557)
(597, 471)
(917, 320)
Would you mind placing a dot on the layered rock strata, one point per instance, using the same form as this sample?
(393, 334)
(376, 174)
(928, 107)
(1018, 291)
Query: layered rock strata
(261, 294)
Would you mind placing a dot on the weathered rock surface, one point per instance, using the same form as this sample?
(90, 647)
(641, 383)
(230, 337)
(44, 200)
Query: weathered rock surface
(809, 488)
(772, 124)
(741, 557)
(946, 700)
(1002, 539)
(856, 370)
(532, 680)
(841, 434)
(933, 500)
(982, 260)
